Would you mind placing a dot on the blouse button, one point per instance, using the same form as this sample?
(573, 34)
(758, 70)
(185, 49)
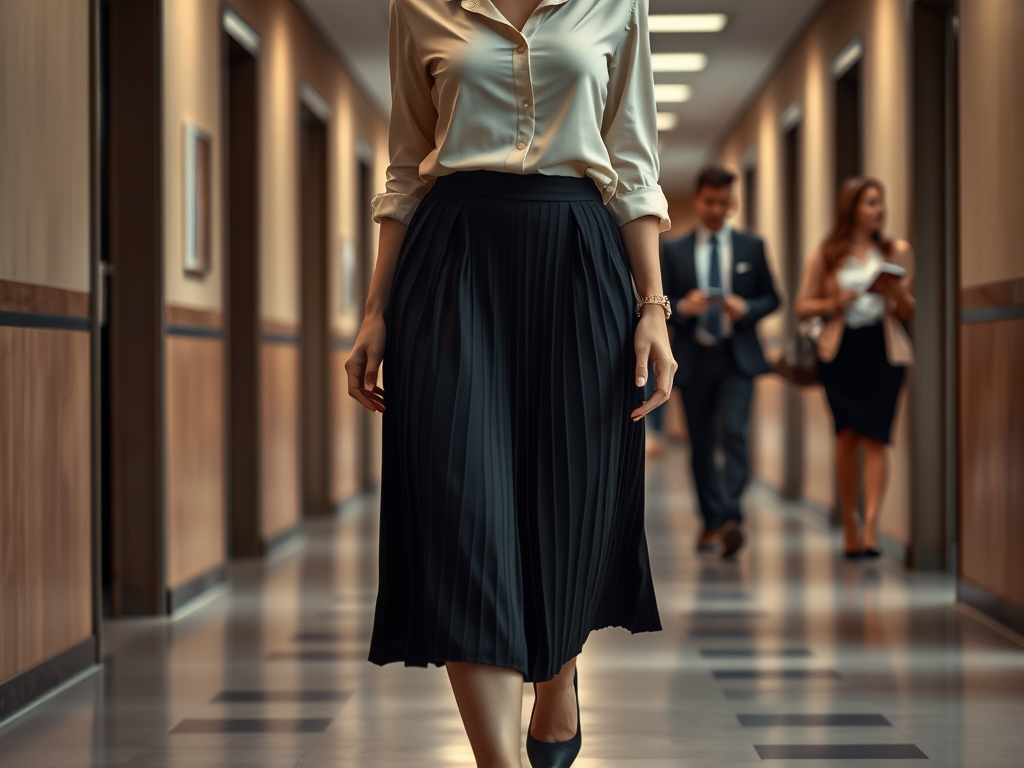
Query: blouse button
(520, 145)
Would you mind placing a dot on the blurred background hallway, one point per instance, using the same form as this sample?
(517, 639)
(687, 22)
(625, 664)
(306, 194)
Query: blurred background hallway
(188, 494)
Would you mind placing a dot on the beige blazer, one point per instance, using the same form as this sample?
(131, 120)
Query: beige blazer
(819, 283)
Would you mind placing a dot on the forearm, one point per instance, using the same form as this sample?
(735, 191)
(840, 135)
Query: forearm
(904, 305)
(640, 237)
(392, 234)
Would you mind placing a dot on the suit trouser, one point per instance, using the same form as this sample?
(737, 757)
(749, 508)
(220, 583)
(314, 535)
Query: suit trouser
(717, 402)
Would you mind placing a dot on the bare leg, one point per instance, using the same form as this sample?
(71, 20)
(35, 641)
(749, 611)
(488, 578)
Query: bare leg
(875, 473)
(555, 717)
(847, 476)
(490, 701)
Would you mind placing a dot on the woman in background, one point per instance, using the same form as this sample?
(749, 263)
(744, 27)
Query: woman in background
(864, 347)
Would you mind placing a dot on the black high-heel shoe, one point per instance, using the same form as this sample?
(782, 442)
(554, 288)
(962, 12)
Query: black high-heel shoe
(559, 754)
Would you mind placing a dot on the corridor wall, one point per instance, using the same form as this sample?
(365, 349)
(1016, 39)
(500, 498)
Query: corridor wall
(293, 55)
(46, 587)
(991, 360)
(800, 90)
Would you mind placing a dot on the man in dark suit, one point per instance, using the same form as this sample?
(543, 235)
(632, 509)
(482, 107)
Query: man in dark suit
(720, 285)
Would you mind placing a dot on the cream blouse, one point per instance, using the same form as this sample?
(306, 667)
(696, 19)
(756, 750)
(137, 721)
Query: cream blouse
(570, 95)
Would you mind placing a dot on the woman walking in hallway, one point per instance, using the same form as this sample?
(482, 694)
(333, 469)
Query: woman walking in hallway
(522, 203)
(860, 282)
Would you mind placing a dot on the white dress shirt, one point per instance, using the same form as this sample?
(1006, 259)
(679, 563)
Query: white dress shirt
(856, 275)
(570, 95)
(702, 263)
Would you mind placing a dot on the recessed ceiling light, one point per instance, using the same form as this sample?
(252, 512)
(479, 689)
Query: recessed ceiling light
(672, 92)
(688, 22)
(667, 121)
(679, 62)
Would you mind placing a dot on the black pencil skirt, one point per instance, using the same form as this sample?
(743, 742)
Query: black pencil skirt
(861, 385)
(512, 496)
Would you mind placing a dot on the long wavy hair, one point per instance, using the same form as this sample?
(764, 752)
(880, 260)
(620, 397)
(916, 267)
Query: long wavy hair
(837, 245)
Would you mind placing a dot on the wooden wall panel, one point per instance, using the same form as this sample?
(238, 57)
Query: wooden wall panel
(992, 457)
(991, 153)
(819, 448)
(766, 448)
(196, 512)
(45, 490)
(44, 143)
(346, 433)
(279, 422)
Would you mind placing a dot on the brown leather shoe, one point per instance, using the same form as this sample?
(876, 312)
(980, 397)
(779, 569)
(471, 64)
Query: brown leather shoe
(732, 539)
(707, 541)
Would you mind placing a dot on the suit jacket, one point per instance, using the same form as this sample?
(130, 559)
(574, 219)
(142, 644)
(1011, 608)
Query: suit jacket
(751, 280)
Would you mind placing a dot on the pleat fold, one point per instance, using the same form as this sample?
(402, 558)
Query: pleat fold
(512, 479)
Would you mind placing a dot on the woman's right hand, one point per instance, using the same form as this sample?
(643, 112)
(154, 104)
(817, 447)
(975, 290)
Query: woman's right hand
(363, 364)
(845, 299)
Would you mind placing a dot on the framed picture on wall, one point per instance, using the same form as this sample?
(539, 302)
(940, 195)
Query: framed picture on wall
(198, 200)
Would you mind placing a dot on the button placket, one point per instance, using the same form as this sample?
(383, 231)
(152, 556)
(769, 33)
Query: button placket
(523, 87)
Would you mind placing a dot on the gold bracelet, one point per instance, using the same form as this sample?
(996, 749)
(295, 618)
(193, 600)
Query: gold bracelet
(661, 301)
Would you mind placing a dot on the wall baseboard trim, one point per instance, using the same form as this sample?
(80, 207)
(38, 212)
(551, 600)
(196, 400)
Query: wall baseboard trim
(178, 597)
(44, 322)
(22, 690)
(991, 605)
(277, 541)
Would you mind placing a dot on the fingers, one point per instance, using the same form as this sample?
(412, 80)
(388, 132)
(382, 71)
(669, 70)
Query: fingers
(642, 355)
(370, 397)
(373, 361)
(664, 372)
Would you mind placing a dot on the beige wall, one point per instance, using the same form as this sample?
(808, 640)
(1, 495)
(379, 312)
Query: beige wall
(44, 142)
(192, 95)
(292, 51)
(804, 78)
(991, 147)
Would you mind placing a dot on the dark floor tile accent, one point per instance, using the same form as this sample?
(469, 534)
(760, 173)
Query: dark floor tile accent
(839, 752)
(769, 721)
(253, 725)
(751, 653)
(325, 655)
(775, 674)
(723, 633)
(280, 697)
(319, 637)
(705, 615)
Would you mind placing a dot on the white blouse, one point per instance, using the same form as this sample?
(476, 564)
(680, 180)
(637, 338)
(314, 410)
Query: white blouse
(856, 275)
(570, 95)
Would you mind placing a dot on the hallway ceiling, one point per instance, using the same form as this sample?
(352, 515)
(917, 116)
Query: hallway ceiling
(740, 57)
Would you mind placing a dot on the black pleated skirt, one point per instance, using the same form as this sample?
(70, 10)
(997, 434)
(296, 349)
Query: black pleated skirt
(861, 385)
(512, 488)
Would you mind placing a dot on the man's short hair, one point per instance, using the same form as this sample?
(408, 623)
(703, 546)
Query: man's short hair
(716, 177)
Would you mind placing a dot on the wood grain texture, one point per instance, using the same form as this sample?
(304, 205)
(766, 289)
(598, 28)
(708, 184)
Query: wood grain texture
(1004, 293)
(45, 486)
(196, 510)
(346, 433)
(819, 448)
(44, 143)
(279, 422)
(766, 415)
(991, 52)
(991, 457)
(42, 299)
(191, 316)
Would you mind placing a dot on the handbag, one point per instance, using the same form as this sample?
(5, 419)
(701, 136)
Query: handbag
(799, 361)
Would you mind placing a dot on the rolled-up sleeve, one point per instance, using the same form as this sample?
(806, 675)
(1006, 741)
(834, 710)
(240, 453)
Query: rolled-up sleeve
(412, 125)
(630, 129)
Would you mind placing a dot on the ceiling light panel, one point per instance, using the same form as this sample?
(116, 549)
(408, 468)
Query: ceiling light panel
(679, 62)
(688, 22)
(667, 121)
(675, 93)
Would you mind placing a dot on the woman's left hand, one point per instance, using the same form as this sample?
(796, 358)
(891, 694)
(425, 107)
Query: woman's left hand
(652, 346)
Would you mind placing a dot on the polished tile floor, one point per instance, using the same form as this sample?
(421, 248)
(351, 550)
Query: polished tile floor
(788, 655)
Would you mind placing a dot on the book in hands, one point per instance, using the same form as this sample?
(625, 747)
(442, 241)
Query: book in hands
(888, 275)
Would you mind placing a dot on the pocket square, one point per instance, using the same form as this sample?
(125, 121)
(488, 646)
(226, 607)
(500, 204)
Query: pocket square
(743, 266)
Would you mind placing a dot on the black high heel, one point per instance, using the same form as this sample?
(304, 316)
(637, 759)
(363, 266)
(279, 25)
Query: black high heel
(559, 754)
